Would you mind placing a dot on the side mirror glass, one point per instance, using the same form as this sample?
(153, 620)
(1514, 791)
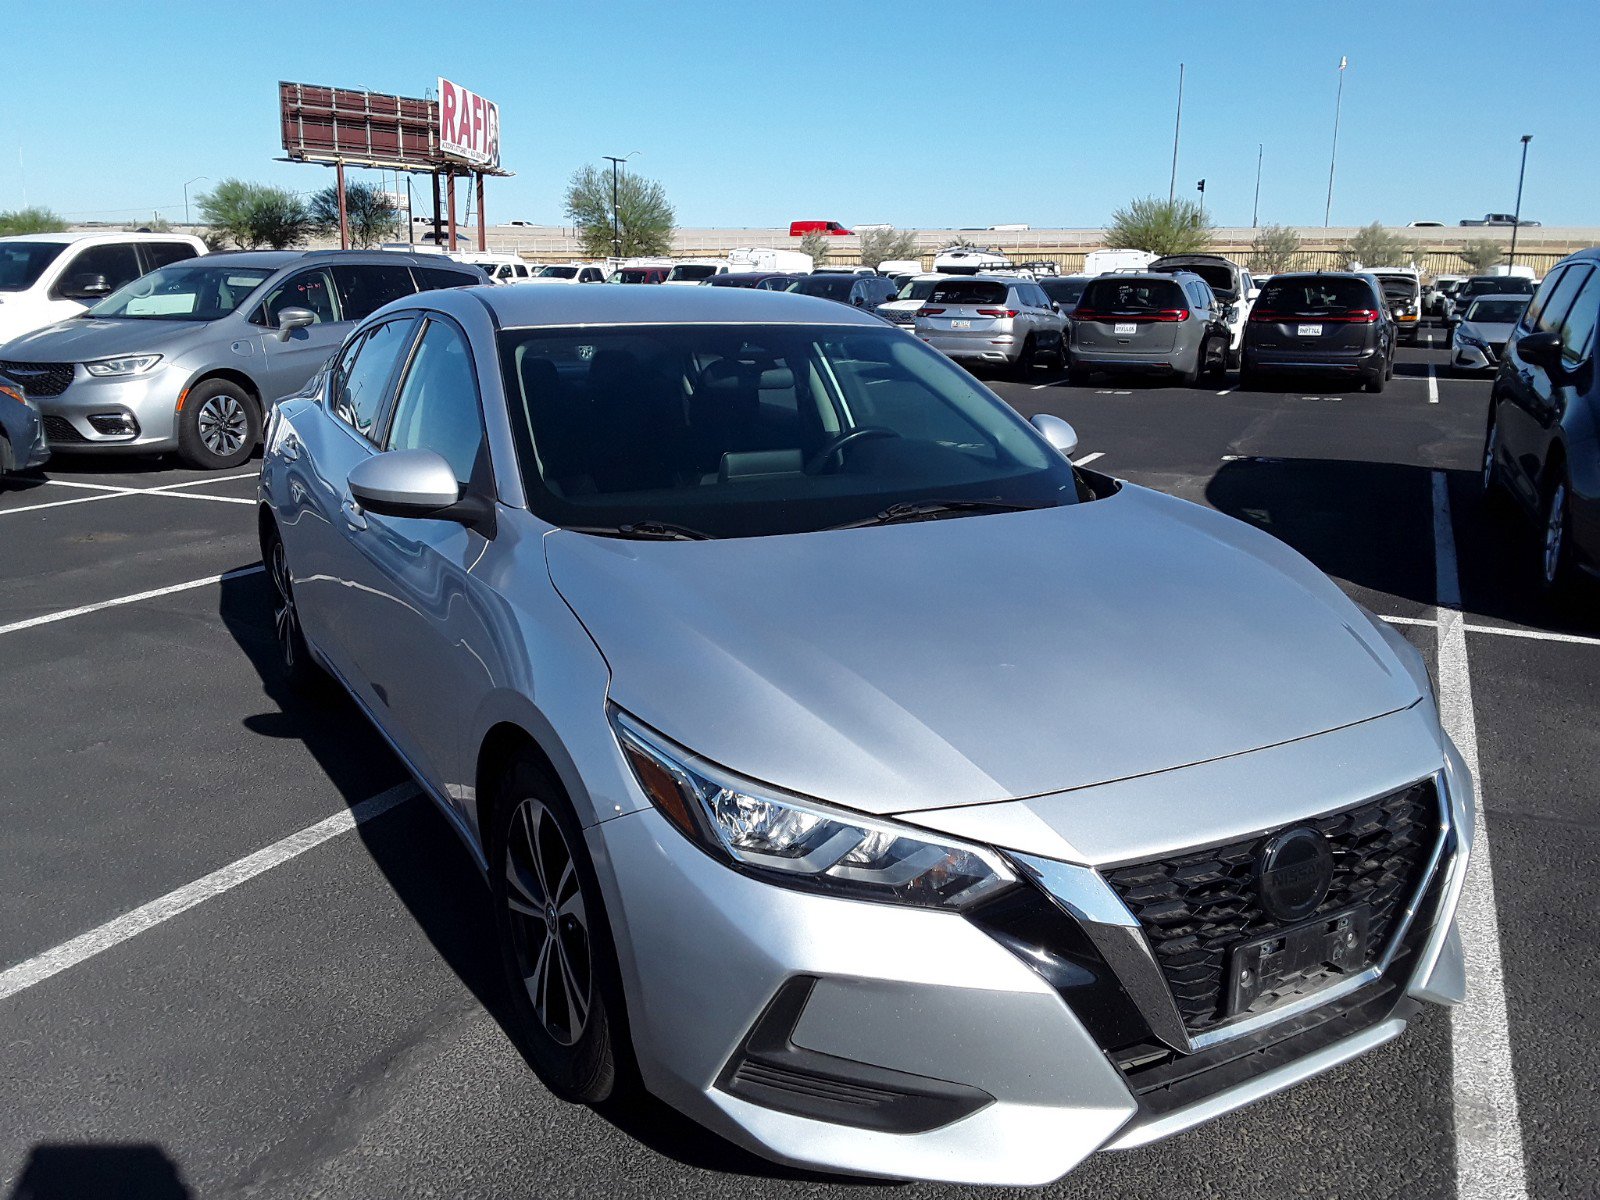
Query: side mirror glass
(1541, 349)
(291, 319)
(86, 287)
(1058, 433)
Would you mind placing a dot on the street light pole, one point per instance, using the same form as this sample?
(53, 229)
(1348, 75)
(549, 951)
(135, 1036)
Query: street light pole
(616, 229)
(196, 179)
(1255, 210)
(1177, 128)
(1516, 217)
(1338, 106)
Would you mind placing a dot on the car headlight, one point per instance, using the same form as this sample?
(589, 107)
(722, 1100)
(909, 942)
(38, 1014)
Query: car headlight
(1466, 339)
(802, 844)
(132, 364)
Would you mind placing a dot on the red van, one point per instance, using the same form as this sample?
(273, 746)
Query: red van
(801, 228)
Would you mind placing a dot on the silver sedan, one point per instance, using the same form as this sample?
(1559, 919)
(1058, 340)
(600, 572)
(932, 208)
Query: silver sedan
(848, 769)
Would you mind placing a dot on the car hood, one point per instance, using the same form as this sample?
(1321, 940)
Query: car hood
(974, 659)
(83, 338)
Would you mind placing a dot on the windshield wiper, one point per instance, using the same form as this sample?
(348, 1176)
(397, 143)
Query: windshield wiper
(645, 531)
(923, 510)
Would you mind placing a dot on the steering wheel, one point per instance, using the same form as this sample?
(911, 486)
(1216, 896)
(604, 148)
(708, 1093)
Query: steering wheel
(859, 434)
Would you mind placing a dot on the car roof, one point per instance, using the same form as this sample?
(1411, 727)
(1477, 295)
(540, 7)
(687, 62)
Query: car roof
(277, 259)
(531, 306)
(108, 235)
(1522, 296)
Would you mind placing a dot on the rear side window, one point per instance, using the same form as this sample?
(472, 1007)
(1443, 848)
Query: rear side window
(1314, 294)
(1546, 289)
(117, 262)
(161, 254)
(1132, 295)
(1554, 309)
(364, 288)
(430, 278)
(969, 291)
(361, 380)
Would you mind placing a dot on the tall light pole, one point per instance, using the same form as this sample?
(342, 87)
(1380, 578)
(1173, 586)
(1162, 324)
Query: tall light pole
(1172, 188)
(1516, 217)
(1338, 106)
(1255, 209)
(196, 179)
(616, 228)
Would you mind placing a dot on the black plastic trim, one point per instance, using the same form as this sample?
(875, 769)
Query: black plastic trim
(770, 1070)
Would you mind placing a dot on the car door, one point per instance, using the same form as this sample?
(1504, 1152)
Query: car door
(293, 359)
(1527, 392)
(332, 578)
(425, 639)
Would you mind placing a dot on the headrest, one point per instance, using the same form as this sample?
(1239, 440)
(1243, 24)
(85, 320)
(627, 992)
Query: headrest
(779, 378)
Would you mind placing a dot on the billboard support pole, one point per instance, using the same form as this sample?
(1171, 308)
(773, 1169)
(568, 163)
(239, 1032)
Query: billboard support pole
(411, 225)
(483, 236)
(344, 219)
(450, 187)
(438, 217)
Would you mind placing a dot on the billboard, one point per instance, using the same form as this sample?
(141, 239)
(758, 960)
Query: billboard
(360, 128)
(469, 126)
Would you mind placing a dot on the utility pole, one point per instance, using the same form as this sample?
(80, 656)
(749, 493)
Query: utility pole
(1516, 217)
(1338, 106)
(1255, 210)
(196, 179)
(1177, 128)
(1201, 188)
(616, 228)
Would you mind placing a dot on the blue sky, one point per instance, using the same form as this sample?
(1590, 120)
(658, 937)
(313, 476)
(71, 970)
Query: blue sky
(923, 115)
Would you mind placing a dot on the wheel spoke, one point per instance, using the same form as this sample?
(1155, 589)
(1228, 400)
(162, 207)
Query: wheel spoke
(540, 979)
(523, 901)
(577, 998)
(532, 835)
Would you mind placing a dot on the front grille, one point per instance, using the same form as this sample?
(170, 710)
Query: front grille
(1195, 908)
(59, 430)
(39, 379)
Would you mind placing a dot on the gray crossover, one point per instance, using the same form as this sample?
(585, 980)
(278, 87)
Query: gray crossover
(846, 767)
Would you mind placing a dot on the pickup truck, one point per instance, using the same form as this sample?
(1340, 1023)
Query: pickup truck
(1500, 219)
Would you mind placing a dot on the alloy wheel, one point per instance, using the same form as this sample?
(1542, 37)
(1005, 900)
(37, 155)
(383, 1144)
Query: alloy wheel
(285, 620)
(223, 425)
(549, 922)
(1555, 532)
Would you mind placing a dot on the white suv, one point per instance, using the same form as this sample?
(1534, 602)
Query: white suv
(49, 277)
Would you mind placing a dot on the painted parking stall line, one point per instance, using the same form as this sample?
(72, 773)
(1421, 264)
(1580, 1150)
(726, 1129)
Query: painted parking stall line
(1088, 458)
(1489, 1161)
(85, 946)
(106, 491)
(153, 593)
(1433, 385)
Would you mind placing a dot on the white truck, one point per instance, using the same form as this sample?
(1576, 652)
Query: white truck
(743, 259)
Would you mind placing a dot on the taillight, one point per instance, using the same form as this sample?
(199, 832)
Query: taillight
(1263, 317)
(925, 311)
(1361, 316)
(1171, 314)
(997, 312)
(1087, 314)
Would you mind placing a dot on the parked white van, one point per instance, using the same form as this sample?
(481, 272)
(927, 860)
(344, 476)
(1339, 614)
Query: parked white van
(764, 258)
(50, 277)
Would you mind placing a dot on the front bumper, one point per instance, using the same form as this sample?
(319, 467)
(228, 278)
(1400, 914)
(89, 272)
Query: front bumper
(1467, 357)
(23, 427)
(707, 954)
(134, 414)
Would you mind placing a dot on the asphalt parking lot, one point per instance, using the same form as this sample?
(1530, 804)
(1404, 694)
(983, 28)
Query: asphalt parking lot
(238, 956)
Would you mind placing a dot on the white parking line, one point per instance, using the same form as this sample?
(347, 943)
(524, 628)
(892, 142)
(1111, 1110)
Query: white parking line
(82, 610)
(1088, 458)
(1225, 391)
(105, 491)
(1052, 383)
(11, 512)
(147, 916)
(1488, 1129)
(200, 496)
(1433, 386)
(1536, 635)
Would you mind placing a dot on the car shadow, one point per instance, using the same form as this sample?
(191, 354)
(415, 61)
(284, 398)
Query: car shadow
(429, 869)
(105, 1171)
(1371, 524)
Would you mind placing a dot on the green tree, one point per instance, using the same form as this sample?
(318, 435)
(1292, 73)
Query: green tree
(254, 215)
(880, 245)
(370, 215)
(1160, 227)
(1482, 254)
(818, 245)
(644, 218)
(1276, 248)
(30, 220)
(1375, 246)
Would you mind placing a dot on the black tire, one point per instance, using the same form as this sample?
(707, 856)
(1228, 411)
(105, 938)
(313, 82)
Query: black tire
(1494, 488)
(571, 1020)
(300, 669)
(1235, 358)
(1249, 376)
(1059, 358)
(1078, 376)
(1378, 380)
(1555, 537)
(1191, 377)
(219, 425)
(1388, 367)
(8, 462)
(1023, 367)
(1216, 372)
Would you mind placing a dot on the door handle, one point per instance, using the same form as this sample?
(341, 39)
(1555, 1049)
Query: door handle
(351, 511)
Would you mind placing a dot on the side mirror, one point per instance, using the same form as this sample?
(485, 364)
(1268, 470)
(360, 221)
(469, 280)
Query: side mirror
(1055, 307)
(86, 287)
(291, 319)
(1058, 433)
(1541, 349)
(418, 484)
(1230, 312)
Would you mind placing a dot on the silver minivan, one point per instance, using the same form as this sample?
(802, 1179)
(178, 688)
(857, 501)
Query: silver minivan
(987, 318)
(1161, 323)
(191, 356)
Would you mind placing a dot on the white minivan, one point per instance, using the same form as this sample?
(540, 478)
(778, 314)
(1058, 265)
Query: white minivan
(49, 277)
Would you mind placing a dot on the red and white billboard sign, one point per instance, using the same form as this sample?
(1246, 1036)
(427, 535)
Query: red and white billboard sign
(469, 125)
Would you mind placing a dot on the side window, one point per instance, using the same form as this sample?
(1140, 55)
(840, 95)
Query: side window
(1577, 327)
(117, 262)
(309, 289)
(364, 288)
(161, 254)
(1556, 304)
(361, 380)
(1536, 305)
(437, 408)
(429, 278)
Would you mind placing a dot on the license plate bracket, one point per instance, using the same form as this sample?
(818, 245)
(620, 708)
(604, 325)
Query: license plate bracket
(1269, 964)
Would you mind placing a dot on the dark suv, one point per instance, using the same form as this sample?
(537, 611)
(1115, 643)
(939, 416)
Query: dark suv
(1319, 323)
(1544, 417)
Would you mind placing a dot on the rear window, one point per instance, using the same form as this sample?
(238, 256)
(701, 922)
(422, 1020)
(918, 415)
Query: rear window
(685, 272)
(1064, 291)
(831, 287)
(1314, 294)
(559, 273)
(969, 291)
(1132, 295)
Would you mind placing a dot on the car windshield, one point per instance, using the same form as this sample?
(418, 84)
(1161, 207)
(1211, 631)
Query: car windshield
(830, 287)
(1497, 312)
(21, 263)
(1065, 292)
(917, 289)
(191, 291)
(559, 273)
(687, 272)
(1117, 294)
(741, 431)
(1313, 295)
